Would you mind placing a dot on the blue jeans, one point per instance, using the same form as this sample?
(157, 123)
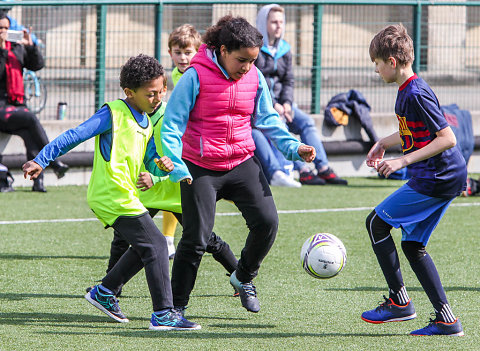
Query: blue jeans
(270, 157)
(304, 126)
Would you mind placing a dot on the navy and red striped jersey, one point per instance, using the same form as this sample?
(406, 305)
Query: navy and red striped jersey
(420, 118)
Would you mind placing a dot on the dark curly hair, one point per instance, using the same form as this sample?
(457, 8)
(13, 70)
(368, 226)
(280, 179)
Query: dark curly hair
(234, 33)
(140, 69)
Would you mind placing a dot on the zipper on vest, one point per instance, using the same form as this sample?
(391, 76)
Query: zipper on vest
(201, 146)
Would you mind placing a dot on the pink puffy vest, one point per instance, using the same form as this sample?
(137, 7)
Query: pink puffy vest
(219, 134)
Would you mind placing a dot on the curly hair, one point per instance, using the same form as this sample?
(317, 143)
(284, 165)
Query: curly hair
(234, 33)
(392, 41)
(140, 69)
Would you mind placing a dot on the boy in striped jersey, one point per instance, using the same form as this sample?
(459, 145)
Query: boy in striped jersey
(438, 176)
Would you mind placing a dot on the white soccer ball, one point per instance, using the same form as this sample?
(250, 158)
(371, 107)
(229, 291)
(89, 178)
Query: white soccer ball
(323, 255)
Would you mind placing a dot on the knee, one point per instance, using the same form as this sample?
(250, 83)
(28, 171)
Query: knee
(413, 250)
(377, 228)
(268, 223)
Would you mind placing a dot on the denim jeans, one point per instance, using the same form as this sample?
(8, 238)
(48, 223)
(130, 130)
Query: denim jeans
(270, 157)
(303, 125)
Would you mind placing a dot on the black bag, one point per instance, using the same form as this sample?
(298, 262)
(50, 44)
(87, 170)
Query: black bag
(6, 180)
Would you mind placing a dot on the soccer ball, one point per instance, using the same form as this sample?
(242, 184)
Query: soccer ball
(323, 255)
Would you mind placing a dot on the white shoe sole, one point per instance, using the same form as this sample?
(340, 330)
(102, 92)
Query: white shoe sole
(165, 328)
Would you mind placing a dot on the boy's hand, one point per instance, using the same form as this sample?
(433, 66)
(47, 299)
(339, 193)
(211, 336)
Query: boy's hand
(288, 113)
(144, 181)
(32, 169)
(164, 163)
(375, 156)
(307, 152)
(388, 167)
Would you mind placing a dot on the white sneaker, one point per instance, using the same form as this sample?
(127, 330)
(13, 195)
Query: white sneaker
(281, 179)
(170, 246)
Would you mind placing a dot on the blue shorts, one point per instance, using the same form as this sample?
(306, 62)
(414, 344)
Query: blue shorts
(415, 213)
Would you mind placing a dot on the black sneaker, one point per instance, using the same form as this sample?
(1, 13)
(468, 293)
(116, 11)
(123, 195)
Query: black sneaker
(331, 178)
(106, 303)
(59, 168)
(309, 178)
(247, 293)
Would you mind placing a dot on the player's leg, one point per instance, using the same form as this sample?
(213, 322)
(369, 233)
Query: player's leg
(221, 252)
(147, 250)
(169, 225)
(198, 217)
(398, 307)
(413, 245)
(252, 195)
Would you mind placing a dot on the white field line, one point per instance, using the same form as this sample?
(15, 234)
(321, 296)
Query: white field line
(317, 210)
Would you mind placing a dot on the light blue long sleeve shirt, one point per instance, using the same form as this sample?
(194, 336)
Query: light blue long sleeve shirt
(99, 123)
(182, 101)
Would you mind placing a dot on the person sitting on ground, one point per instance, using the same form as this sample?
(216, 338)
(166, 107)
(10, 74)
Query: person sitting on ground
(15, 118)
(275, 62)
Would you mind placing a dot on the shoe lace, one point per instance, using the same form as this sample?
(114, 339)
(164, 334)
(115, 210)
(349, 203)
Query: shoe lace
(249, 289)
(384, 304)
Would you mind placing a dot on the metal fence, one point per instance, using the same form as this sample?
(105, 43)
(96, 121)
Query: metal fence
(86, 42)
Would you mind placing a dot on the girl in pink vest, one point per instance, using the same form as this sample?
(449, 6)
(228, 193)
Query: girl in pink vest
(207, 132)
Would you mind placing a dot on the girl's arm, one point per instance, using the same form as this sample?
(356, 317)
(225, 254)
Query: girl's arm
(268, 121)
(177, 113)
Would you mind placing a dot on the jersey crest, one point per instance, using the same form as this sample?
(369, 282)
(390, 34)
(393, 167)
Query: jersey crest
(405, 133)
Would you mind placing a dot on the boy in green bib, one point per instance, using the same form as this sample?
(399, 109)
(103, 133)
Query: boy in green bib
(123, 143)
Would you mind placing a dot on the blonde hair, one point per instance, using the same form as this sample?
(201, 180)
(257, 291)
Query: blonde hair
(392, 41)
(184, 36)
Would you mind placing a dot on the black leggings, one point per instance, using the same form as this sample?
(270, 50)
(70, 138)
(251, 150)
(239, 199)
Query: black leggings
(219, 249)
(18, 120)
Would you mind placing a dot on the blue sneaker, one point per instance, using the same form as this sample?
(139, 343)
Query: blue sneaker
(247, 293)
(172, 320)
(389, 311)
(436, 327)
(108, 304)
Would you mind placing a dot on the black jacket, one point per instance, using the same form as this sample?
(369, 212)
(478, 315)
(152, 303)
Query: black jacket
(28, 56)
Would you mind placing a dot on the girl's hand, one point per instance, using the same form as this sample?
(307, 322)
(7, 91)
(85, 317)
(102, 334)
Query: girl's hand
(32, 169)
(144, 181)
(307, 152)
(27, 38)
(164, 163)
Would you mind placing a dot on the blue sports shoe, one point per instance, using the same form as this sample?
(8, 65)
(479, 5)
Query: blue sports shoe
(106, 303)
(247, 293)
(389, 311)
(172, 320)
(436, 327)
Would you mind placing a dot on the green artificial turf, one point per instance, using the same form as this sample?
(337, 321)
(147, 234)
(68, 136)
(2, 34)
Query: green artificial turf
(45, 266)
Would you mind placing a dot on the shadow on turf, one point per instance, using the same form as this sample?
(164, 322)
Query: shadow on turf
(414, 288)
(212, 334)
(38, 257)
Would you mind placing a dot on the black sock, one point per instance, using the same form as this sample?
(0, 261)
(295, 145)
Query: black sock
(387, 257)
(428, 277)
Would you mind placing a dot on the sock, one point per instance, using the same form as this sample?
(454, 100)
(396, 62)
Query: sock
(387, 257)
(169, 224)
(445, 314)
(170, 245)
(400, 297)
(105, 291)
(428, 277)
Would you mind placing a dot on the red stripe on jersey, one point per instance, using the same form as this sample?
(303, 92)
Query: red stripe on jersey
(418, 124)
(420, 134)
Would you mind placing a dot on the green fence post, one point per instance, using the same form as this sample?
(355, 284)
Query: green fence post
(100, 61)
(317, 58)
(158, 31)
(417, 38)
